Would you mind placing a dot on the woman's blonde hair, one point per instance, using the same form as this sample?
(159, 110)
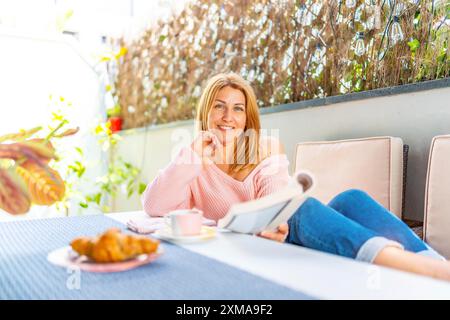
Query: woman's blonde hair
(246, 146)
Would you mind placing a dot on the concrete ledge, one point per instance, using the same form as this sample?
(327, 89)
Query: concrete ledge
(382, 92)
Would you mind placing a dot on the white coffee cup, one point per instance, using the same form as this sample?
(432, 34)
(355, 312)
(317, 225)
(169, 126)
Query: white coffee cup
(184, 222)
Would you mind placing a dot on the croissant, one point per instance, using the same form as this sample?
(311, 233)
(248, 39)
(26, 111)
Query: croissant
(113, 246)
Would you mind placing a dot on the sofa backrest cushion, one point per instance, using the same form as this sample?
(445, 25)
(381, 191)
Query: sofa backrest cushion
(373, 164)
(437, 196)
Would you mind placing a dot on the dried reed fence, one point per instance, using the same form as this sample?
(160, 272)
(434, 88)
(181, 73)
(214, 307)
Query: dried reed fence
(288, 50)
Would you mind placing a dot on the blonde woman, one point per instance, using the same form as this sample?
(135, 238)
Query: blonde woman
(230, 162)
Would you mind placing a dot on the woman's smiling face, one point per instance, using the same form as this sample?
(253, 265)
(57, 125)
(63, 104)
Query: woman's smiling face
(227, 117)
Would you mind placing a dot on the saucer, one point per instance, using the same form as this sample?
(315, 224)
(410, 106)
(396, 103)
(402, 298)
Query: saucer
(205, 234)
(67, 258)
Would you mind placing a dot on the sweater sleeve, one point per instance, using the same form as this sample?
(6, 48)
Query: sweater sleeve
(272, 175)
(170, 190)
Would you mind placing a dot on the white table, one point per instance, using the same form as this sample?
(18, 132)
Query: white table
(318, 274)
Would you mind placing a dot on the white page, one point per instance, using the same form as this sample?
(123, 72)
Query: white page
(254, 222)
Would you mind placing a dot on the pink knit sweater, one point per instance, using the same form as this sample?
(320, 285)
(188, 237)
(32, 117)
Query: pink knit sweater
(187, 183)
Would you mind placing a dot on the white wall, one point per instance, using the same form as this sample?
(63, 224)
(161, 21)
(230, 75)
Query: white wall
(415, 117)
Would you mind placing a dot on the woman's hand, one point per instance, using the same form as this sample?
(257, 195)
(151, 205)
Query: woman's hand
(280, 235)
(205, 144)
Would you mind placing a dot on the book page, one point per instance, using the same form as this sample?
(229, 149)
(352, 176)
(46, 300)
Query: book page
(255, 222)
(268, 212)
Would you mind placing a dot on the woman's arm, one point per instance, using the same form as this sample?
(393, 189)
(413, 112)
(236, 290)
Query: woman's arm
(170, 190)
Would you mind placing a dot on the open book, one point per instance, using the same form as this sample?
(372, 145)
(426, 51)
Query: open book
(269, 212)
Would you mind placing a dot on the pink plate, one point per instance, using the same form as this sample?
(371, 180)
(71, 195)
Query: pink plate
(67, 258)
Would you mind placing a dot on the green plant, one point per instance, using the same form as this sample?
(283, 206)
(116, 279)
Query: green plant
(100, 193)
(113, 111)
(120, 173)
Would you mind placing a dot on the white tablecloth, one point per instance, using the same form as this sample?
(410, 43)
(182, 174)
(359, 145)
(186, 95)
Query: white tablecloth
(315, 273)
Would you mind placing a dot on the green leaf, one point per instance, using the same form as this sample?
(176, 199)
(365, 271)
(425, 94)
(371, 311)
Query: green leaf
(83, 205)
(130, 192)
(113, 111)
(130, 184)
(142, 187)
(413, 45)
(128, 165)
(441, 56)
(162, 38)
(81, 172)
(97, 198)
(57, 116)
(78, 168)
(417, 18)
(68, 14)
(77, 149)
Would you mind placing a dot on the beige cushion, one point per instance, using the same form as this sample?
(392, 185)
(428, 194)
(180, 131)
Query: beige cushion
(437, 196)
(374, 165)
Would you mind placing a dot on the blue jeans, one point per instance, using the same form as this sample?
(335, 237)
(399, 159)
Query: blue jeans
(352, 225)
